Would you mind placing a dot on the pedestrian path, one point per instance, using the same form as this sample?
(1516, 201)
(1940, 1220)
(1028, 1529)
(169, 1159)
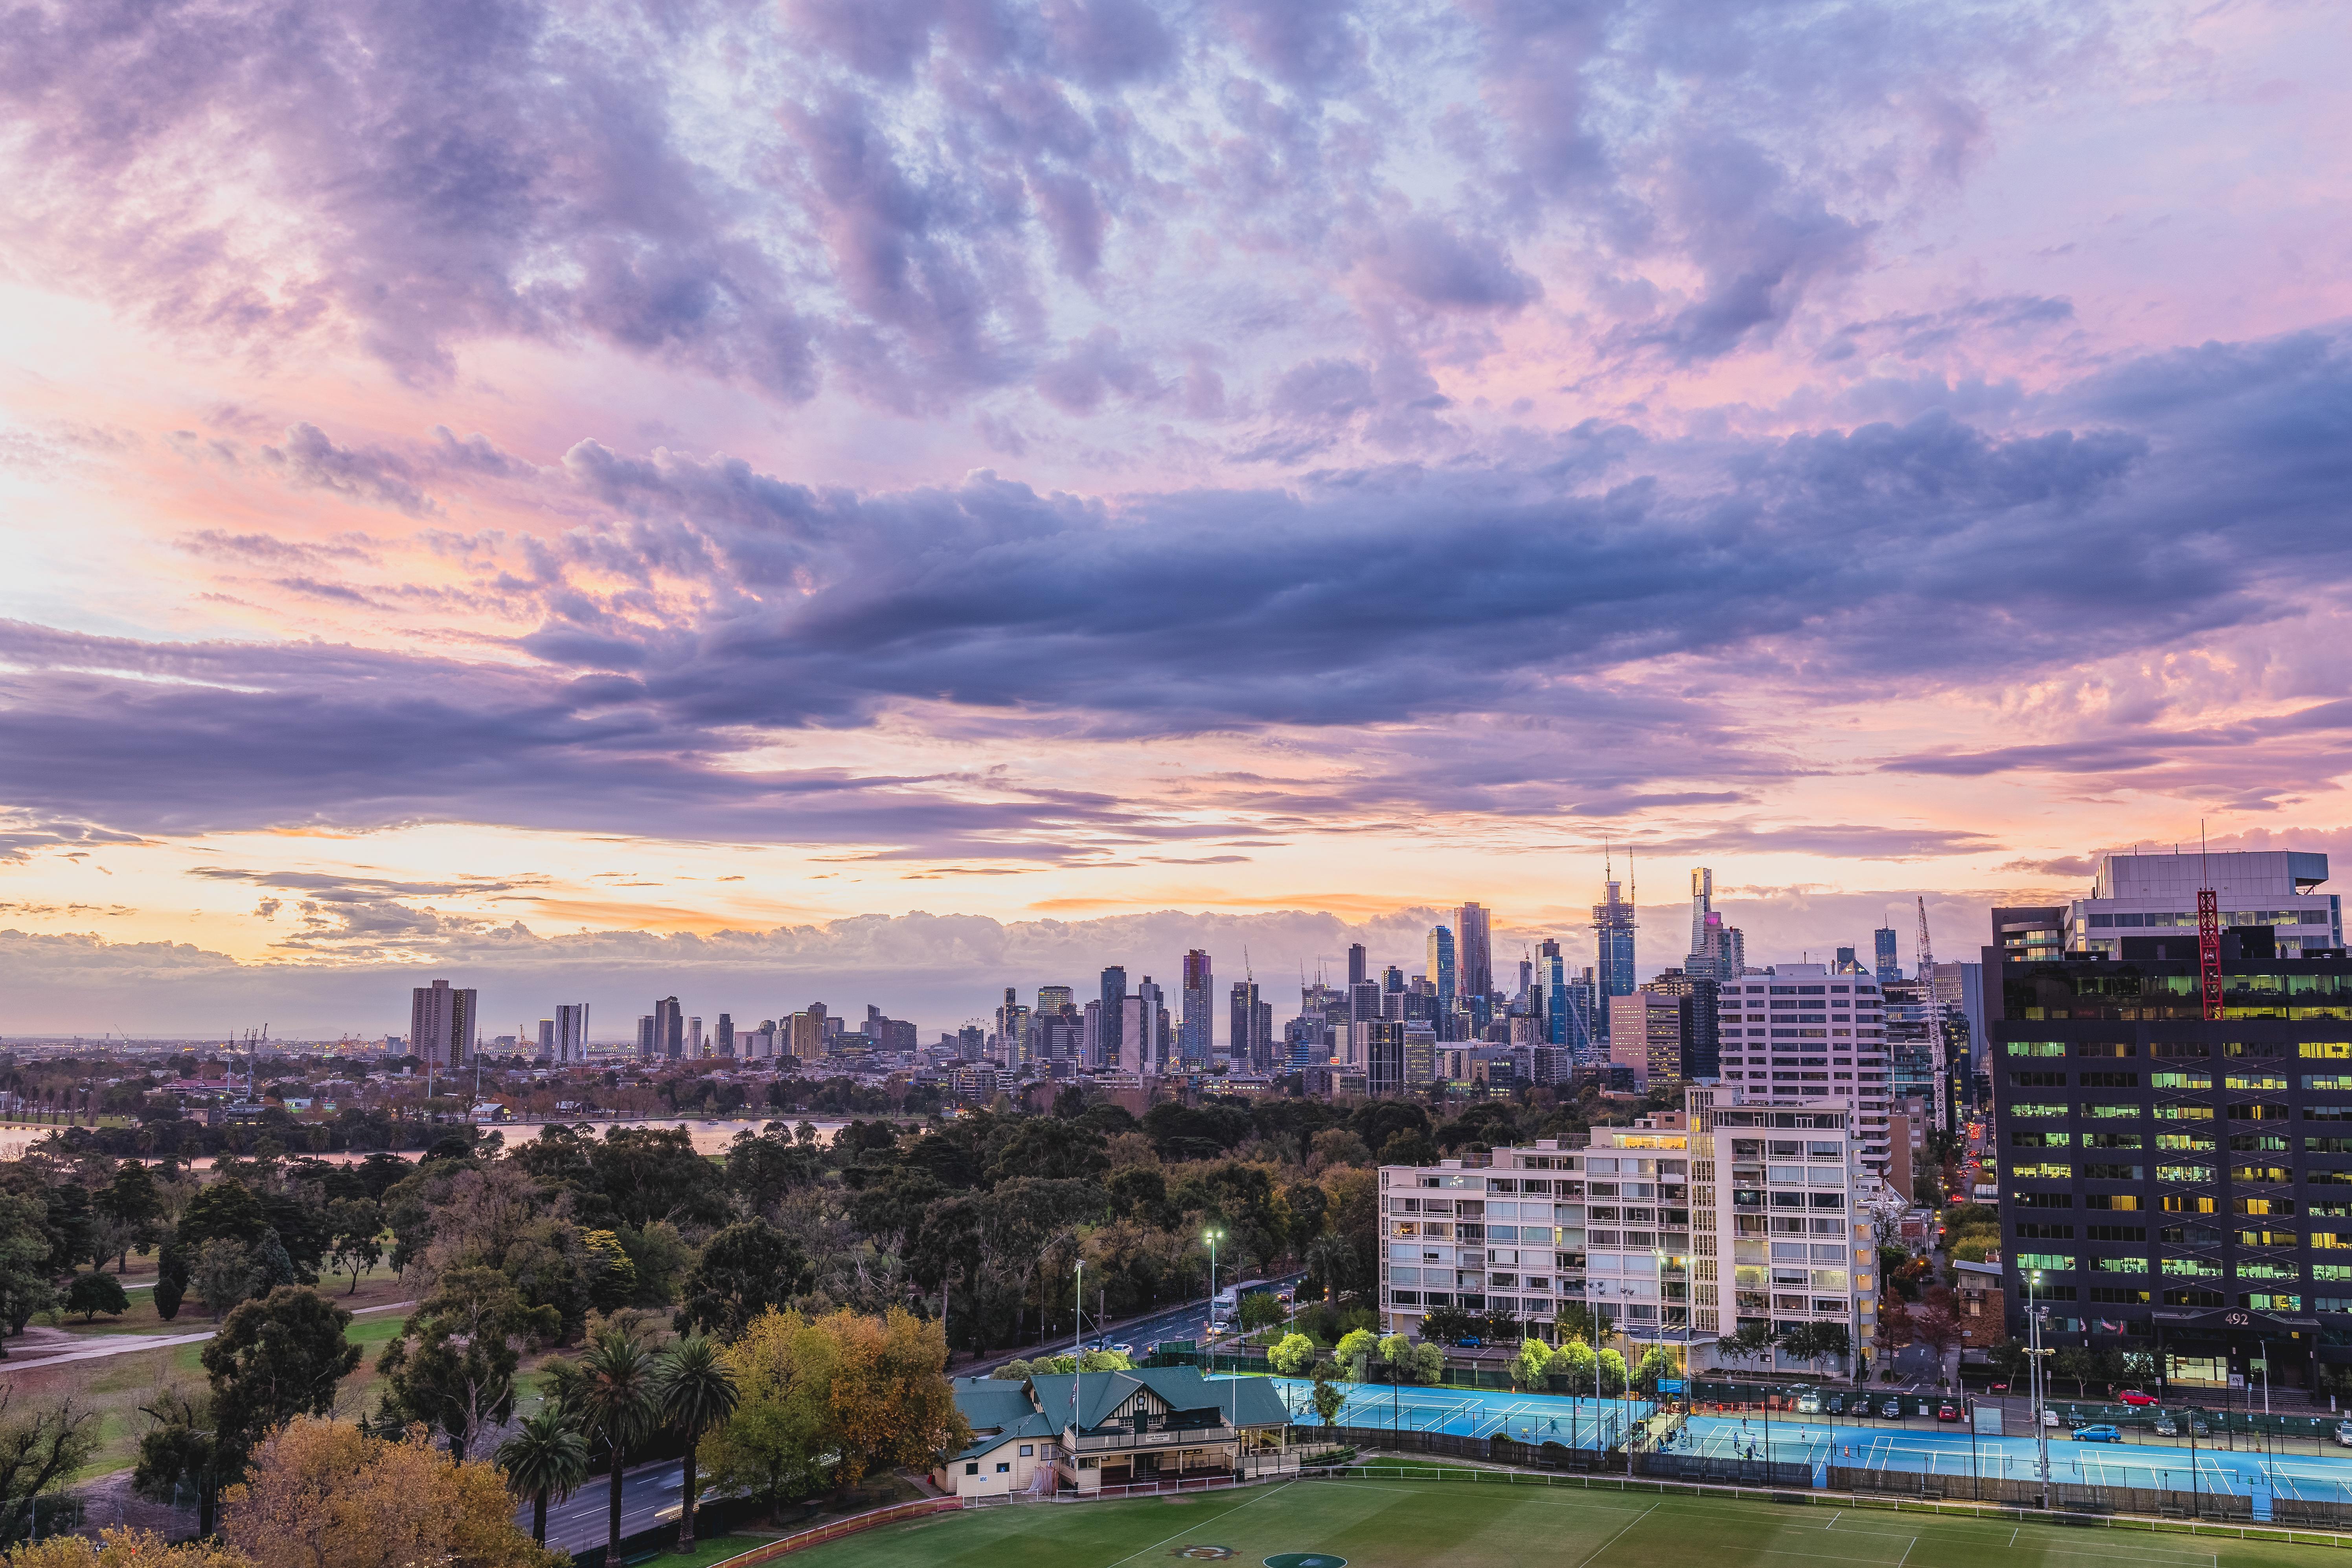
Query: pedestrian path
(96, 1347)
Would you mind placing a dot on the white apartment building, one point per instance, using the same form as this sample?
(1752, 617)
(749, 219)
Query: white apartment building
(1678, 1233)
(1799, 1033)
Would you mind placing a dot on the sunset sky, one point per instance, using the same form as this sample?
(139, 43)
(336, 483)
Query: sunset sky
(876, 501)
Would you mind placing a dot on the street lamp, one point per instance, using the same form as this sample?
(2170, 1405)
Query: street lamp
(1211, 1237)
(2034, 1315)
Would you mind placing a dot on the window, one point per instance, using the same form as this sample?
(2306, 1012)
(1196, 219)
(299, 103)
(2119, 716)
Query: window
(1028, 1450)
(973, 1468)
(2184, 1173)
(1004, 1465)
(2045, 1201)
(2044, 1109)
(2191, 1268)
(2037, 1047)
(2327, 1081)
(2180, 1080)
(2118, 1080)
(2110, 1112)
(2052, 1262)
(2112, 1200)
(2119, 1264)
(2118, 1233)
(2325, 1050)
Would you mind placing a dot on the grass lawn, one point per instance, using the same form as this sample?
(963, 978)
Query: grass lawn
(1377, 1523)
(707, 1552)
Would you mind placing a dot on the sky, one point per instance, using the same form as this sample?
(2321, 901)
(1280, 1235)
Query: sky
(877, 500)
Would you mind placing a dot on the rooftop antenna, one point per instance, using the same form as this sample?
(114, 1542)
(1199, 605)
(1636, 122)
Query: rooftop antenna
(2208, 931)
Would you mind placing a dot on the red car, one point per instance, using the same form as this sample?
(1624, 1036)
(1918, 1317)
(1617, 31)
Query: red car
(1947, 1411)
(2133, 1397)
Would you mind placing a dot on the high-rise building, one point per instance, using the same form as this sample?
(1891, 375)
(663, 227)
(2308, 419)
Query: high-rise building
(1701, 959)
(724, 1042)
(1645, 1033)
(572, 1032)
(547, 1038)
(1475, 953)
(1612, 973)
(1885, 967)
(648, 1038)
(1356, 963)
(1695, 999)
(2155, 895)
(807, 1034)
(1143, 1031)
(1442, 976)
(441, 1024)
(694, 1038)
(669, 1029)
(1111, 1047)
(1383, 1057)
(1844, 962)
(2170, 1182)
(1196, 1032)
(1363, 1000)
(1797, 1032)
(1250, 1040)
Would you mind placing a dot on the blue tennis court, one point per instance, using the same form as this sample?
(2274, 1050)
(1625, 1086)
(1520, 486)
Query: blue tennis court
(1950, 1453)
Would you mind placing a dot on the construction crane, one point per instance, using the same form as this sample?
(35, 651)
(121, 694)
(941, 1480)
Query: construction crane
(1926, 952)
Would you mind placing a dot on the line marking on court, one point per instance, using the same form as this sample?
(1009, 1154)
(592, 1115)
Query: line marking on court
(1906, 1553)
(1193, 1529)
(1833, 1519)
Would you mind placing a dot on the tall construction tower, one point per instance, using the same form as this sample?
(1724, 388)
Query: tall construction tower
(1613, 929)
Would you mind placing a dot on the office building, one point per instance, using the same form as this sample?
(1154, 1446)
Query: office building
(1612, 973)
(1796, 1032)
(1249, 1043)
(547, 1038)
(669, 1029)
(1420, 1057)
(2145, 895)
(1706, 926)
(1383, 1056)
(1443, 978)
(724, 1042)
(1645, 1035)
(2172, 1179)
(441, 1024)
(1886, 967)
(648, 1038)
(807, 1034)
(1357, 964)
(1473, 948)
(1196, 1030)
(694, 1038)
(1844, 962)
(1695, 1013)
(1111, 1045)
(572, 1032)
(1143, 1032)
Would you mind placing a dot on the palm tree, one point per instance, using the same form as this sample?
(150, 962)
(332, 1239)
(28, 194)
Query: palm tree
(609, 1392)
(546, 1458)
(1332, 1257)
(694, 1392)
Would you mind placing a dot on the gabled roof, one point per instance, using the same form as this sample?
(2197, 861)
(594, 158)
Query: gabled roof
(1250, 1401)
(1033, 1427)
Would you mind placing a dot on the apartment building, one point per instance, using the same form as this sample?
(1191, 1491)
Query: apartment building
(1678, 1229)
(1800, 1033)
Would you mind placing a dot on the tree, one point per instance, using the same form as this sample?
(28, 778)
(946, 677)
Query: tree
(1612, 1369)
(92, 1293)
(1331, 1263)
(1329, 1398)
(694, 1393)
(890, 1401)
(223, 1274)
(224, 1210)
(355, 1237)
(783, 1365)
(1657, 1363)
(453, 1366)
(133, 1204)
(1261, 1310)
(1574, 1358)
(119, 1548)
(1752, 1341)
(1576, 1321)
(609, 1393)
(2076, 1362)
(1354, 1349)
(182, 1449)
(1533, 1363)
(25, 1286)
(170, 1280)
(611, 1274)
(40, 1449)
(547, 1457)
(325, 1494)
(1447, 1325)
(747, 1270)
(1292, 1354)
(275, 1359)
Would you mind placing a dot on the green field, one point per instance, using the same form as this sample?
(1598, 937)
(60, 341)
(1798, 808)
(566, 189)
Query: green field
(1381, 1523)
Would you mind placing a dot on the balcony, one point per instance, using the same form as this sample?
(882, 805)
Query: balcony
(1120, 1440)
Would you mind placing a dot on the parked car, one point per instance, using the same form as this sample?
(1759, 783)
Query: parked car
(2344, 1433)
(1123, 1348)
(1469, 1342)
(2098, 1433)
(1809, 1404)
(2049, 1417)
(2133, 1397)
(2165, 1426)
(2197, 1426)
(1837, 1403)
(1892, 1409)
(1947, 1411)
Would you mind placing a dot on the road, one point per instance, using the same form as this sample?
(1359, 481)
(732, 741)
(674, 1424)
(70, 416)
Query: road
(96, 1347)
(648, 1496)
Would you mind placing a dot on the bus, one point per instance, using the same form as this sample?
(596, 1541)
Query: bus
(1227, 1303)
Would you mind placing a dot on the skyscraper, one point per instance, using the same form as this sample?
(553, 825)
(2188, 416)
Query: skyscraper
(547, 1038)
(441, 1024)
(572, 1032)
(1612, 973)
(1250, 1039)
(1356, 962)
(669, 1029)
(1110, 1043)
(1701, 959)
(1441, 970)
(1197, 1010)
(1474, 953)
(1886, 967)
(694, 1036)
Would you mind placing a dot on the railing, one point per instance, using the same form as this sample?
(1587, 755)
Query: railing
(1157, 1438)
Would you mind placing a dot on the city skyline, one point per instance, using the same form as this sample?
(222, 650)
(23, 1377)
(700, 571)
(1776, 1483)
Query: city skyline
(760, 502)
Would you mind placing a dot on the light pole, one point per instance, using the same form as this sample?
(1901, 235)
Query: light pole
(2033, 1316)
(1210, 1237)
